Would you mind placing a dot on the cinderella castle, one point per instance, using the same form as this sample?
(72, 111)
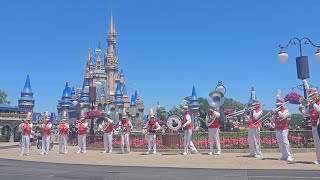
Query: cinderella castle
(111, 95)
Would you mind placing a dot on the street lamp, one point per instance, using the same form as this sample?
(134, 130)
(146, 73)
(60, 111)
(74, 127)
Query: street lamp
(78, 106)
(301, 61)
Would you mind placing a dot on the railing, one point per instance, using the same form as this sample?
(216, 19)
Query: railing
(9, 116)
(228, 140)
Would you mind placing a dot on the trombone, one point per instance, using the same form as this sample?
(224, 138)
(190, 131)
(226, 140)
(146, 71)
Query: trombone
(243, 111)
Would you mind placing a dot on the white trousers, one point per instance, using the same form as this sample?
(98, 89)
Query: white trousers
(254, 141)
(284, 146)
(187, 141)
(214, 136)
(107, 141)
(152, 143)
(82, 142)
(63, 143)
(45, 144)
(316, 142)
(125, 140)
(25, 141)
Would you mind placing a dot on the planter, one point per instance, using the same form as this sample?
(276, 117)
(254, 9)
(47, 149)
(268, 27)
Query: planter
(170, 140)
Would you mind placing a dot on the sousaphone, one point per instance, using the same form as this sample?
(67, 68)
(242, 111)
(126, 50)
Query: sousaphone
(217, 97)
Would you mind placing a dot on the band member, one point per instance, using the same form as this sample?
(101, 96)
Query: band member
(26, 127)
(212, 121)
(107, 125)
(254, 123)
(187, 126)
(313, 110)
(46, 133)
(152, 128)
(63, 136)
(82, 134)
(125, 127)
(280, 120)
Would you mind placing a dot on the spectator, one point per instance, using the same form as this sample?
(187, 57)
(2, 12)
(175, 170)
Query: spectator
(236, 126)
(74, 134)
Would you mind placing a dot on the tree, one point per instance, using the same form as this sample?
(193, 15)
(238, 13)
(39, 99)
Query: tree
(296, 120)
(162, 113)
(175, 111)
(3, 96)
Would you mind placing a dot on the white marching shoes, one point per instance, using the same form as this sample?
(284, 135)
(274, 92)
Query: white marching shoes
(289, 159)
(210, 153)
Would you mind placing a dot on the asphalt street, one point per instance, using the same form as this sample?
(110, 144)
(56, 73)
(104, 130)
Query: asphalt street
(25, 170)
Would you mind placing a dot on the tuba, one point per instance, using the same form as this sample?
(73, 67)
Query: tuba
(217, 96)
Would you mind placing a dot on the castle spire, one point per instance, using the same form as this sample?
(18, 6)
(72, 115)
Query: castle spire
(26, 100)
(111, 27)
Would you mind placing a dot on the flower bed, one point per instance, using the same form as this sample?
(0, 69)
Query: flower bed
(228, 140)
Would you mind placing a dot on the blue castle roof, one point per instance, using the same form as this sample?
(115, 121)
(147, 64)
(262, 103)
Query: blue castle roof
(124, 89)
(118, 94)
(194, 94)
(73, 91)
(133, 101)
(11, 108)
(27, 87)
(135, 94)
(83, 90)
(118, 90)
(121, 73)
(66, 92)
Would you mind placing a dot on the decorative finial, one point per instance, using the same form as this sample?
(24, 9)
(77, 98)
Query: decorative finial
(278, 93)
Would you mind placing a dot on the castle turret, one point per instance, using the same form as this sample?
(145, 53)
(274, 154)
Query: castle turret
(26, 100)
(66, 99)
(194, 102)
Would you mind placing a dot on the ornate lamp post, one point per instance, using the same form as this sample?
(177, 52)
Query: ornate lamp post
(301, 61)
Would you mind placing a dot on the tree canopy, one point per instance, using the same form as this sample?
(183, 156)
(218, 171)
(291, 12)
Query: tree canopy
(3, 98)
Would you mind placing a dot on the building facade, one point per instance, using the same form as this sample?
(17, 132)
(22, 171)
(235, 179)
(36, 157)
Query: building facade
(11, 116)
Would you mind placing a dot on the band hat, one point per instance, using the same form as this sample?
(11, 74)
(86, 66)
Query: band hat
(256, 103)
(83, 118)
(279, 102)
(312, 92)
(124, 116)
(151, 114)
(64, 119)
(48, 119)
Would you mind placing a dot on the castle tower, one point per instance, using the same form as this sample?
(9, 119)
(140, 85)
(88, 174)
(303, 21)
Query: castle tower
(26, 100)
(88, 60)
(110, 59)
(253, 96)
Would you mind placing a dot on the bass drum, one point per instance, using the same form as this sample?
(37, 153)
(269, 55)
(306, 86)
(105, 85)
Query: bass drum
(174, 122)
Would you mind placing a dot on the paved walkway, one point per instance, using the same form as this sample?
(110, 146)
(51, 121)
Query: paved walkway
(224, 161)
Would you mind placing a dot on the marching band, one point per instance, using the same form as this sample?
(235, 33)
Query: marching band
(26, 127)
(152, 128)
(253, 116)
(254, 124)
(212, 122)
(63, 136)
(82, 135)
(125, 127)
(108, 129)
(280, 120)
(187, 127)
(46, 133)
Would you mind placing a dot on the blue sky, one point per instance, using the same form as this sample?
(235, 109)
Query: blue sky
(164, 47)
